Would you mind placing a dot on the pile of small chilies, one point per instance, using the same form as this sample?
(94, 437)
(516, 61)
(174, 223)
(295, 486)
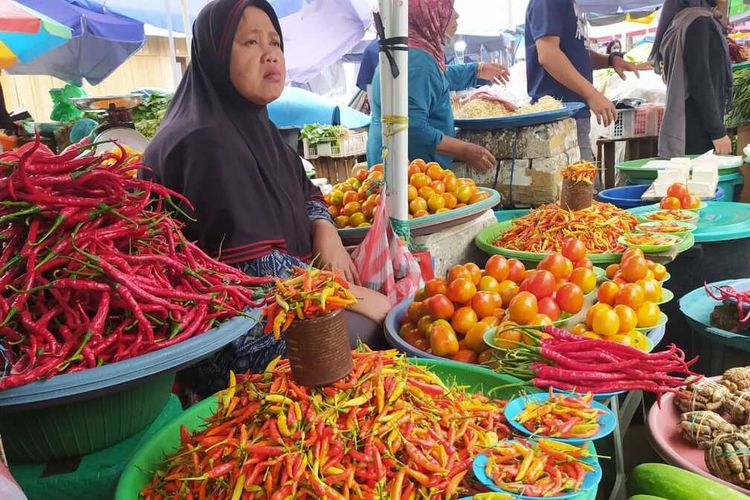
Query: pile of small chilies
(389, 430)
(583, 171)
(94, 269)
(545, 228)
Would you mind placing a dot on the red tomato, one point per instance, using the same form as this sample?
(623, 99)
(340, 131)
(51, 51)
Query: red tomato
(415, 312)
(559, 266)
(541, 284)
(608, 293)
(677, 190)
(435, 286)
(440, 307)
(573, 249)
(670, 203)
(584, 263)
(485, 303)
(497, 267)
(457, 272)
(461, 290)
(443, 340)
(516, 271)
(465, 356)
(523, 308)
(630, 295)
(549, 307)
(690, 201)
(464, 319)
(634, 269)
(570, 298)
(475, 337)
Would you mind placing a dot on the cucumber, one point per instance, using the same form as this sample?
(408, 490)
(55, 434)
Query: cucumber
(646, 497)
(672, 483)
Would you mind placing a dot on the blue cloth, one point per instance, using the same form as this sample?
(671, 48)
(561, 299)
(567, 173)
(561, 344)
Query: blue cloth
(555, 18)
(368, 66)
(430, 113)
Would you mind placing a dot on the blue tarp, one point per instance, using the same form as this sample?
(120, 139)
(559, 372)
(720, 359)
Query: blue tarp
(298, 107)
(101, 42)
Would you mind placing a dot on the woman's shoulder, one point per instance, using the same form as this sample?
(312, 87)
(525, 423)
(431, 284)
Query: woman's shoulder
(419, 57)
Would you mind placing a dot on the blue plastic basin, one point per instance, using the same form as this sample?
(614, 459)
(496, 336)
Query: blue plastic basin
(630, 196)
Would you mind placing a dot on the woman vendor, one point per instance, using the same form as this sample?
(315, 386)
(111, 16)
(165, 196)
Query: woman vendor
(254, 206)
(691, 50)
(432, 23)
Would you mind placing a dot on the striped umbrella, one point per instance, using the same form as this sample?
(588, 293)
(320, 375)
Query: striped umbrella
(26, 34)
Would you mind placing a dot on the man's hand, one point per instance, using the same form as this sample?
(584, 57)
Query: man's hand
(493, 72)
(723, 146)
(620, 65)
(602, 108)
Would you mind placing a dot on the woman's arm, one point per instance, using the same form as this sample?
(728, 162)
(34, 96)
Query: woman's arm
(462, 76)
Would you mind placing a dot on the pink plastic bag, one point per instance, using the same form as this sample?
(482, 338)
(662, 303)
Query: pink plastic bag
(384, 262)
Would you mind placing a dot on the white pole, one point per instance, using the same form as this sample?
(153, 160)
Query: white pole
(395, 110)
(176, 73)
(188, 27)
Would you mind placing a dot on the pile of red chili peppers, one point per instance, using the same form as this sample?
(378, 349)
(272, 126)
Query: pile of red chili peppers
(93, 268)
(726, 292)
(308, 293)
(570, 362)
(388, 430)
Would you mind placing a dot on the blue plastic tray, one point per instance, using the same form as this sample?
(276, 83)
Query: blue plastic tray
(719, 221)
(516, 121)
(697, 307)
(109, 378)
(607, 420)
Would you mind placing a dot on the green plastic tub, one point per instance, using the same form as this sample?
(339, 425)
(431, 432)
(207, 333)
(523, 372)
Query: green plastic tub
(638, 174)
(731, 184)
(138, 471)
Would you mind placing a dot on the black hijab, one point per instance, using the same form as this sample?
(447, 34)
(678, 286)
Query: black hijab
(222, 152)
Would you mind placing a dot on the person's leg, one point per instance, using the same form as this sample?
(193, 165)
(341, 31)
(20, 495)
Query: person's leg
(370, 304)
(584, 138)
(365, 330)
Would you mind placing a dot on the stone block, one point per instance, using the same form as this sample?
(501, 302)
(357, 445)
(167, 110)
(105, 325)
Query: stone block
(455, 245)
(540, 141)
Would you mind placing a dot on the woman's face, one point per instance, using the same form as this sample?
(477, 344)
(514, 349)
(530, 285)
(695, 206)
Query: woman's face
(257, 67)
(616, 47)
(452, 27)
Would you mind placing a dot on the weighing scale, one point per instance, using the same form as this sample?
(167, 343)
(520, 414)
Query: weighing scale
(119, 125)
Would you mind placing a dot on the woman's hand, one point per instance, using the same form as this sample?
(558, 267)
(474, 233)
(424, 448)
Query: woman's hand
(493, 72)
(478, 158)
(723, 146)
(330, 251)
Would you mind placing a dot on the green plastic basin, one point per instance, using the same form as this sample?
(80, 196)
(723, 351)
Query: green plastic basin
(138, 471)
(637, 172)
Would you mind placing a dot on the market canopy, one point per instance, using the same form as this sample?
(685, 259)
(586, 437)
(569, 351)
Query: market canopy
(317, 33)
(26, 34)
(101, 42)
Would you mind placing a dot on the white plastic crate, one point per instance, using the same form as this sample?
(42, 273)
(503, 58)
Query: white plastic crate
(622, 128)
(655, 119)
(348, 145)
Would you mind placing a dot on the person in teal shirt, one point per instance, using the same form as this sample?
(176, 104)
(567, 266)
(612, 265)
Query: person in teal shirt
(431, 129)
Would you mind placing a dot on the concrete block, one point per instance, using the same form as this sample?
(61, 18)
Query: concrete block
(455, 245)
(541, 141)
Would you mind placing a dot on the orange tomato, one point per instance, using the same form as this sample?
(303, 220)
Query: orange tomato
(334, 211)
(621, 339)
(443, 340)
(541, 320)
(690, 201)
(608, 292)
(458, 271)
(677, 190)
(413, 193)
(413, 169)
(464, 193)
(493, 320)
(421, 213)
(592, 312)
(426, 192)
(351, 208)
(585, 263)
(405, 328)
(485, 303)
(579, 329)
(465, 356)
(638, 340)
(478, 196)
(419, 180)
(509, 339)
(652, 289)
(414, 312)
(489, 284)
(634, 269)
(497, 267)
(628, 318)
(464, 319)
(475, 337)
(435, 203)
(451, 183)
(570, 298)
(648, 315)
(632, 252)
(450, 200)
(476, 272)
(559, 266)
(670, 203)
(376, 175)
(573, 249)
(435, 172)
(341, 221)
(361, 174)
(424, 324)
(436, 286)
(417, 205)
(549, 307)
(440, 307)
(379, 167)
(630, 295)
(461, 290)
(438, 187)
(523, 307)
(412, 336)
(508, 290)
(660, 272)
(516, 270)
(605, 323)
(584, 278)
(612, 270)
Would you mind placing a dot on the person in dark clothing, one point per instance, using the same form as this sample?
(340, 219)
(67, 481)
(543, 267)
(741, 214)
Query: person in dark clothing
(614, 47)
(691, 52)
(368, 66)
(254, 206)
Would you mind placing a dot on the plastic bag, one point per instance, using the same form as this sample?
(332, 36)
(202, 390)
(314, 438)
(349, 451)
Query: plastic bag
(9, 489)
(384, 262)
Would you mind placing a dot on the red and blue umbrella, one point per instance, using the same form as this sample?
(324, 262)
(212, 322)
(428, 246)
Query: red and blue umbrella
(26, 34)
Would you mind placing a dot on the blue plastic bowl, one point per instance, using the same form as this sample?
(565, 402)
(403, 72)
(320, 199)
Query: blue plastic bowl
(607, 420)
(630, 196)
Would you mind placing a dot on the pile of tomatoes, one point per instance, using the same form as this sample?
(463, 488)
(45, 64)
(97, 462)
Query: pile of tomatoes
(629, 301)
(450, 316)
(432, 190)
(679, 198)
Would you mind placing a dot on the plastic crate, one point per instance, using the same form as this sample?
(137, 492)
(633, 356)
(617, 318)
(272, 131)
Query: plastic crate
(623, 126)
(348, 145)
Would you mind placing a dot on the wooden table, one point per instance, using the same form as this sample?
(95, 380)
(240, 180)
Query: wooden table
(635, 149)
